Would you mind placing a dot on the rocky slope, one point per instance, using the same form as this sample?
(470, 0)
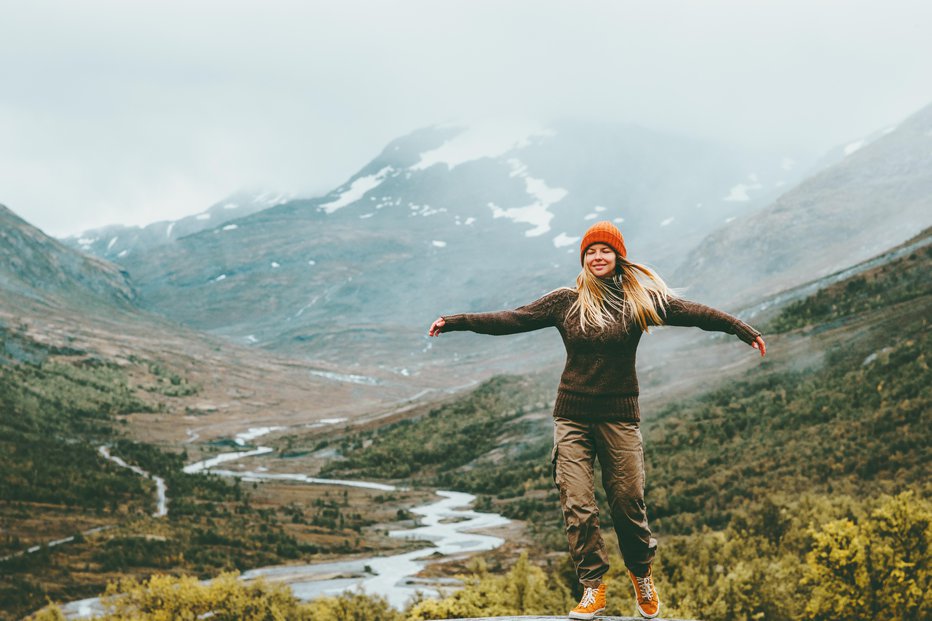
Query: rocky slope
(39, 268)
(877, 196)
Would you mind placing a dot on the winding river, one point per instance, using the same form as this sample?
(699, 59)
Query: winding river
(446, 523)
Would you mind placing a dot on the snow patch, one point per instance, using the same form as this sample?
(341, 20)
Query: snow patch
(591, 216)
(739, 193)
(439, 244)
(425, 210)
(537, 213)
(618, 220)
(666, 221)
(564, 240)
(230, 206)
(347, 377)
(203, 216)
(230, 227)
(852, 147)
(220, 277)
(275, 264)
(122, 254)
(357, 189)
(484, 140)
(469, 220)
(252, 338)
(598, 208)
(168, 231)
(270, 199)
(312, 262)
(727, 220)
(367, 215)
(112, 241)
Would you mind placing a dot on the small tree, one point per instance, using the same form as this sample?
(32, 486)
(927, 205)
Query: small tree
(877, 569)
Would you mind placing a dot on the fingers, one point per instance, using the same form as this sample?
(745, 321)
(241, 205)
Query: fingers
(760, 345)
(435, 328)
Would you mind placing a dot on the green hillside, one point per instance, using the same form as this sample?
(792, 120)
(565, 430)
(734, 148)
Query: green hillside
(57, 406)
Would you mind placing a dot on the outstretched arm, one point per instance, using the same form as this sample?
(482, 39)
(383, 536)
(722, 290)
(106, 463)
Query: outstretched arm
(538, 314)
(680, 312)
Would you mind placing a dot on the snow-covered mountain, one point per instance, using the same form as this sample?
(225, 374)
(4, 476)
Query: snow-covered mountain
(448, 219)
(117, 241)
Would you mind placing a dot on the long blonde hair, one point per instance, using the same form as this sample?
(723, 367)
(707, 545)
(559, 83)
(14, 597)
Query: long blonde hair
(599, 301)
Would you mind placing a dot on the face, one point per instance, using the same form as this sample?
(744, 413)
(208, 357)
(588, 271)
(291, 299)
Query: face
(600, 259)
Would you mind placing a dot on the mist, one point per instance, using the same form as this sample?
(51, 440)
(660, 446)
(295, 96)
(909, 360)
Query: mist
(134, 112)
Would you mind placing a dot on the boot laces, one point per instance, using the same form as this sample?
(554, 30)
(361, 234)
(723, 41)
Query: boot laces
(645, 585)
(588, 597)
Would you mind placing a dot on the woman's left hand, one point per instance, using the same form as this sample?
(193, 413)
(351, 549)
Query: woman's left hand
(760, 345)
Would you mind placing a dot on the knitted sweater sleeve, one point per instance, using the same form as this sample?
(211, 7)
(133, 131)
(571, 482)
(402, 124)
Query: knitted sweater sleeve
(680, 312)
(541, 313)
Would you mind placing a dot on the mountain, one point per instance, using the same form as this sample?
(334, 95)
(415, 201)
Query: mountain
(117, 241)
(447, 219)
(878, 195)
(39, 268)
(64, 300)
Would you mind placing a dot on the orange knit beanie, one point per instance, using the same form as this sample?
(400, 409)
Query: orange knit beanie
(603, 233)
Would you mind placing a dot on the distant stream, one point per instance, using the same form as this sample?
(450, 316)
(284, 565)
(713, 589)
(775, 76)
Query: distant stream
(445, 523)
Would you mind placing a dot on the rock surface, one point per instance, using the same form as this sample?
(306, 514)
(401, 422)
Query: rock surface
(561, 618)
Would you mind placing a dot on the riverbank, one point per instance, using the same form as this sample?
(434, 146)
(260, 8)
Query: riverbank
(446, 524)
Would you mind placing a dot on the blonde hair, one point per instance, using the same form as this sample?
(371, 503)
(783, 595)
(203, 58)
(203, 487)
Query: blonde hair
(599, 301)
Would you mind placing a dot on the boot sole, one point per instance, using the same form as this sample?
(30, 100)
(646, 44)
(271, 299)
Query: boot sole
(586, 616)
(647, 616)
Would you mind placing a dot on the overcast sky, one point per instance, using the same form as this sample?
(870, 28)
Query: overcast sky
(131, 112)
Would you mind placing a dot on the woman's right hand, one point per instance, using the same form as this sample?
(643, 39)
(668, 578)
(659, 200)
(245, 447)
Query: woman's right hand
(437, 327)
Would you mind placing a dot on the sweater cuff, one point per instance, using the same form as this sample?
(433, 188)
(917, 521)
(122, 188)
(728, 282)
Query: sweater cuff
(453, 323)
(745, 332)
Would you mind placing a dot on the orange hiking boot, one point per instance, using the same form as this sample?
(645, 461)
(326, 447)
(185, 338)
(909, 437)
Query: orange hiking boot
(647, 596)
(591, 604)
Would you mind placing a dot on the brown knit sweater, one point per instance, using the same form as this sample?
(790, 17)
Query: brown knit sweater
(599, 382)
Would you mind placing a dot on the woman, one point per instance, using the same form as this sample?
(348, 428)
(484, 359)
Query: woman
(596, 410)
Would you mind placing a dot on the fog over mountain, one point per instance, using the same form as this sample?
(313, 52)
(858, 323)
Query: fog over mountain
(118, 240)
(447, 219)
(137, 113)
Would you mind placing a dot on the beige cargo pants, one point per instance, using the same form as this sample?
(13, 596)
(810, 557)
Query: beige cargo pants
(618, 446)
